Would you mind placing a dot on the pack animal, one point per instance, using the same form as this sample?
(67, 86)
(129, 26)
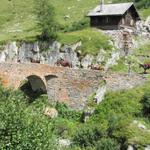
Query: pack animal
(95, 67)
(63, 63)
(34, 61)
(145, 66)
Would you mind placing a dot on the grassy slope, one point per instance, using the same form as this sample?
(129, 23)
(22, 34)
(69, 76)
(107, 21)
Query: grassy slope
(91, 39)
(17, 20)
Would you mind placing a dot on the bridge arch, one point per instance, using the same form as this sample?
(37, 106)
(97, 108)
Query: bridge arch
(33, 86)
(37, 83)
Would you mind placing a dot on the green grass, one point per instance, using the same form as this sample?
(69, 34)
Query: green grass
(145, 13)
(92, 40)
(18, 22)
(76, 9)
(143, 50)
(17, 19)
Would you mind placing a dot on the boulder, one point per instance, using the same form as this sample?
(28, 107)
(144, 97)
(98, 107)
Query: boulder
(51, 112)
(76, 46)
(86, 61)
(100, 93)
(55, 46)
(26, 52)
(2, 56)
(130, 147)
(147, 147)
(113, 60)
(11, 51)
(68, 53)
(64, 142)
(147, 23)
(36, 48)
(87, 113)
(101, 56)
(52, 57)
(141, 126)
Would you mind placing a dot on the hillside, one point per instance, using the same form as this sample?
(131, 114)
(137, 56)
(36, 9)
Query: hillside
(17, 17)
(100, 101)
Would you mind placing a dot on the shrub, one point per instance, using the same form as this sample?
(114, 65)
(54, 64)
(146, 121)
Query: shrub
(87, 136)
(45, 17)
(19, 128)
(107, 144)
(66, 112)
(146, 104)
(63, 127)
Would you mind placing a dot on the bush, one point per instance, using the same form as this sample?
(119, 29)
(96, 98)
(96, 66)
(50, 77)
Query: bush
(146, 104)
(19, 128)
(66, 112)
(107, 144)
(46, 21)
(63, 127)
(88, 136)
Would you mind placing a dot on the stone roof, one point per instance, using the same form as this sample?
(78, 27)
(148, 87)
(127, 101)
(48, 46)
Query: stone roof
(110, 9)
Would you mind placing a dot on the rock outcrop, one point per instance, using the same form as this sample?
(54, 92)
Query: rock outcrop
(36, 52)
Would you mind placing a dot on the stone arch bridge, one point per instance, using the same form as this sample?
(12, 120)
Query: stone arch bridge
(72, 86)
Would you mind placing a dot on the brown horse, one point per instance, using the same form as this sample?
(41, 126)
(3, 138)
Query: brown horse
(95, 67)
(63, 63)
(34, 61)
(145, 66)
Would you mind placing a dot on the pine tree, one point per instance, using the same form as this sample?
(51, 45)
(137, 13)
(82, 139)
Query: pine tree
(45, 17)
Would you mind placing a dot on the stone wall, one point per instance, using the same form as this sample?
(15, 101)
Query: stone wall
(74, 86)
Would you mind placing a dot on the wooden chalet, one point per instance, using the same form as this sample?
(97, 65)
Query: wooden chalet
(114, 16)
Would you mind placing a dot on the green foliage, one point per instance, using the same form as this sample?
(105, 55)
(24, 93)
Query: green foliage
(119, 66)
(134, 135)
(67, 113)
(142, 3)
(146, 104)
(117, 112)
(87, 136)
(107, 144)
(138, 3)
(143, 50)
(45, 17)
(145, 13)
(19, 128)
(64, 128)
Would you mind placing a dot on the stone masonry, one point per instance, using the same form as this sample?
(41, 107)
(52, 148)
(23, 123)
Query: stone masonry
(71, 86)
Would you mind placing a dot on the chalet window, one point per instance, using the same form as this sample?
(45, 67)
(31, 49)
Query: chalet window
(107, 19)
